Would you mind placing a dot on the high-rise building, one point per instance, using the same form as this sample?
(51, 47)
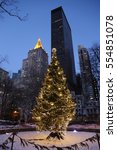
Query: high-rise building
(16, 79)
(61, 39)
(90, 103)
(94, 53)
(4, 76)
(29, 80)
(86, 74)
(35, 65)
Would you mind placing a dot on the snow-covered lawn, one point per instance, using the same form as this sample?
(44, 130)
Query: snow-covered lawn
(70, 138)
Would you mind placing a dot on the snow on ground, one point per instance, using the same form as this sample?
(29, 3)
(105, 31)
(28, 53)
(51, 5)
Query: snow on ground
(69, 139)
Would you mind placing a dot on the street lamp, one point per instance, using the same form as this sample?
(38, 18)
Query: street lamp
(15, 115)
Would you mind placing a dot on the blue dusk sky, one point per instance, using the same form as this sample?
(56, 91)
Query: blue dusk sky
(18, 37)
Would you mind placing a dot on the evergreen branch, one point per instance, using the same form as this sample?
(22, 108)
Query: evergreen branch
(38, 147)
(8, 140)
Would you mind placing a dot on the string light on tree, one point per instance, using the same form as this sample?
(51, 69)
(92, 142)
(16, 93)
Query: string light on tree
(51, 104)
(55, 106)
(59, 88)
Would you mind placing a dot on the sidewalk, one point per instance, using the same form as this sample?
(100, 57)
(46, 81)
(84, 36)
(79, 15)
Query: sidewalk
(31, 127)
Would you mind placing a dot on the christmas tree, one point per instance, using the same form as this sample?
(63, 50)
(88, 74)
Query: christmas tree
(55, 107)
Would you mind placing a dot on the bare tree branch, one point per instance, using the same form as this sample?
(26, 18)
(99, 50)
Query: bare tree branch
(3, 59)
(4, 8)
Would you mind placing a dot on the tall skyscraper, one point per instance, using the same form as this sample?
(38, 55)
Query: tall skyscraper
(94, 53)
(29, 80)
(61, 39)
(86, 74)
(4, 76)
(90, 103)
(35, 65)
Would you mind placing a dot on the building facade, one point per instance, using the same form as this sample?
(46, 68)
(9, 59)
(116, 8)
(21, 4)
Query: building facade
(4, 75)
(36, 62)
(16, 79)
(90, 103)
(61, 39)
(94, 53)
(86, 74)
(29, 80)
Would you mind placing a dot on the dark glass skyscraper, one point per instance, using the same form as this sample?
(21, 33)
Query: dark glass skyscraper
(61, 39)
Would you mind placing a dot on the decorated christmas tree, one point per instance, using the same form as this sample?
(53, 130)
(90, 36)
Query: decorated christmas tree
(55, 107)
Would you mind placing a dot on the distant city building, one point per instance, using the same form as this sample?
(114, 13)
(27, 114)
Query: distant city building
(16, 75)
(90, 103)
(79, 106)
(94, 54)
(86, 74)
(16, 79)
(4, 75)
(36, 63)
(79, 84)
(61, 39)
(30, 78)
(96, 89)
(34, 66)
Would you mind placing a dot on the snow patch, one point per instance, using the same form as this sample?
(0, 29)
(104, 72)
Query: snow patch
(37, 137)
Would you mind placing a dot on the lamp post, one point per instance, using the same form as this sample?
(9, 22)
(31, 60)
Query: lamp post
(15, 115)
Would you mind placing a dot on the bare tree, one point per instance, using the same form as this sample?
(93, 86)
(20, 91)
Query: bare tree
(3, 59)
(94, 53)
(9, 7)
